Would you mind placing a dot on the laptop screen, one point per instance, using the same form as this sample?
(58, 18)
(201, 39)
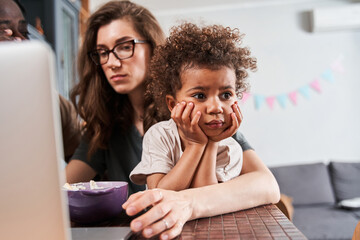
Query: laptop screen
(32, 205)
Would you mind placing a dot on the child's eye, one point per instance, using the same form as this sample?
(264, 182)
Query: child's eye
(227, 95)
(199, 96)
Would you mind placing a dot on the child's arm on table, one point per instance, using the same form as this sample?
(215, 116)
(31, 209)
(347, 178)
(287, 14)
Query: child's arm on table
(194, 140)
(255, 186)
(181, 175)
(206, 170)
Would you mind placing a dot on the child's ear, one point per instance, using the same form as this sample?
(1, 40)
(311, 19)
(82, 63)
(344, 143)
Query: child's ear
(170, 102)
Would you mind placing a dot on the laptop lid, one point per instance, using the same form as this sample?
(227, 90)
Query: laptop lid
(32, 206)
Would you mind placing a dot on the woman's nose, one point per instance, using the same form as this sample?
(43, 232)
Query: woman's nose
(113, 61)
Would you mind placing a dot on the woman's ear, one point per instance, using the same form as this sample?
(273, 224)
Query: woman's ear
(170, 102)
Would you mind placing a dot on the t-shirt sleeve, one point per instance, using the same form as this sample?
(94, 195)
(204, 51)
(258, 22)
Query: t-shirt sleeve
(156, 156)
(96, 161)
(239, 137)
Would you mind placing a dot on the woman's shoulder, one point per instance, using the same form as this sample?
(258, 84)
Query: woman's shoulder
(239, 137)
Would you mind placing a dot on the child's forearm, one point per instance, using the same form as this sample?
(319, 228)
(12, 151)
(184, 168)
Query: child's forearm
(181, 176)
(206, 171)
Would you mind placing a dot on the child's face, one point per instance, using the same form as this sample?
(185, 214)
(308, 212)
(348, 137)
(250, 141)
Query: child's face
(213, 94)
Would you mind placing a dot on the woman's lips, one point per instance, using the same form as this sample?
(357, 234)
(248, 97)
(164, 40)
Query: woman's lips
(214, 124)
(118, 77)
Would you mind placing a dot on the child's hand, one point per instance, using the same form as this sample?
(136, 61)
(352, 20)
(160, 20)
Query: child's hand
(236, 117)
(189, 129)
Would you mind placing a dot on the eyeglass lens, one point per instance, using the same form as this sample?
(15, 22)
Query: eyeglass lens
(121, 51)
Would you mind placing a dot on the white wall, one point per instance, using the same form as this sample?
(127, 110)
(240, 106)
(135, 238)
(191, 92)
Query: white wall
(325, 126)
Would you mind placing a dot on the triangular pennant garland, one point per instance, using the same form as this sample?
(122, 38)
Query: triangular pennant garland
(304, 91)
(293, 97)
(270, 101)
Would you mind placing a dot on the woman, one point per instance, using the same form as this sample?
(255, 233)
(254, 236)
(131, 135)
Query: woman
(113, 65)
(113, 68)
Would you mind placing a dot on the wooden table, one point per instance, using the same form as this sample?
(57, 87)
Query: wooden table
(263, 222)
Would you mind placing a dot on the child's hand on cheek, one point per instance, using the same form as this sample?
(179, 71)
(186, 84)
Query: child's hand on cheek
(236, 118)
(189, 129)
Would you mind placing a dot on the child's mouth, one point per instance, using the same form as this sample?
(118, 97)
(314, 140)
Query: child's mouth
(215, 124)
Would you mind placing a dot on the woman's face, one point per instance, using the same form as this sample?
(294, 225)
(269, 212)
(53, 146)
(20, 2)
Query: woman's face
(127, 75)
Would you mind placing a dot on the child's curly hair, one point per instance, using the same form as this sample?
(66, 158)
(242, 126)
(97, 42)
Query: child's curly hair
(191, 46)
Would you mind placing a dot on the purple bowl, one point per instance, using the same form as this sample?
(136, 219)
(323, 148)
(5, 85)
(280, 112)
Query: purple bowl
(97, 205)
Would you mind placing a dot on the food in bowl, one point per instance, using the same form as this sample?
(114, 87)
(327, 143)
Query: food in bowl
(94, 202)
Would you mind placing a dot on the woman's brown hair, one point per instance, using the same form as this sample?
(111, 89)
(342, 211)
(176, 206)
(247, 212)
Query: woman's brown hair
(191, 46)
(96, 101)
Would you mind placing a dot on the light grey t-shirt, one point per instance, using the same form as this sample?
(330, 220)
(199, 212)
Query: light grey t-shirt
(162, 150)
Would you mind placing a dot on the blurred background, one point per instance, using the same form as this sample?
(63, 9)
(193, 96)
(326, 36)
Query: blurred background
(303, 103)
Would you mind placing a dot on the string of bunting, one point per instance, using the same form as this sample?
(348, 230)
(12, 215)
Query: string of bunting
(292, 96)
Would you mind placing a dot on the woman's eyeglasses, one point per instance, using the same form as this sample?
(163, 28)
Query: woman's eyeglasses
(121, 51)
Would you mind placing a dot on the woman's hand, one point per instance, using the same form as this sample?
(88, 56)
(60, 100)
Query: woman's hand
(236, 118)
(168, 213)
(189, 129)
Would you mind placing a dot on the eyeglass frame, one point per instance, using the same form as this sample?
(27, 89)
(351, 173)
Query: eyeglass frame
(134, 42)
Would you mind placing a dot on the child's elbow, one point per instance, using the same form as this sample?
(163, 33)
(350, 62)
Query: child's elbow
(273, 190)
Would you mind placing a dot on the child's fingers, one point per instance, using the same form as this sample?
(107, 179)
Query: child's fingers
(178, 110)
(236, 120)
(195, 120)
(234, 125)
(237, 112)
(186, 115)
(173, 111)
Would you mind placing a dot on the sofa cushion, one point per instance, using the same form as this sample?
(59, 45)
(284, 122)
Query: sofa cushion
(356, 213)
(345, 177)
(324, 222)
(305, 183)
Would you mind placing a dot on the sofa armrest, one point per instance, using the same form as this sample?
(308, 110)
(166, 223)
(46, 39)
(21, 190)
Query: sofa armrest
(285, 205)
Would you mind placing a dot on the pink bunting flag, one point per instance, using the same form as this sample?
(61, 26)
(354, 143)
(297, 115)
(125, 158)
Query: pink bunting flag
(337, 65)
(316, 85)
(245, 96)
(293, 97)
(270, 102)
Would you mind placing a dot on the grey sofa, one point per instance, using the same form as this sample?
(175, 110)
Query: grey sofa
(316, 189)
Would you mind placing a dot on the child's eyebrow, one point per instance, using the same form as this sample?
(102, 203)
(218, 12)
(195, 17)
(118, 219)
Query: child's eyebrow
(227, 87)
(197, 88)
(206, 88)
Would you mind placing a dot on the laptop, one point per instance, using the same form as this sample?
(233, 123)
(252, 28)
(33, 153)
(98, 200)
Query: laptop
(32, 205)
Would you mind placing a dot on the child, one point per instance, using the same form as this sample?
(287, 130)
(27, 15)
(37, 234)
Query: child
(196, 75)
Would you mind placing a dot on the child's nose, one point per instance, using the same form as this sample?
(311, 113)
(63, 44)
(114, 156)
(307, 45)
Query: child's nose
(214, 106)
